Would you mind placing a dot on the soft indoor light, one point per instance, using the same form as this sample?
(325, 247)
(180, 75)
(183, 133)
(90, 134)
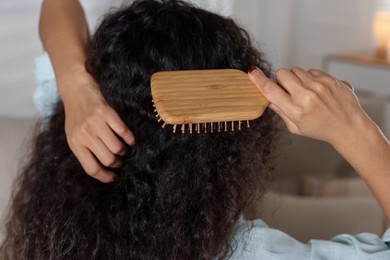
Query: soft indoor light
(382, 31)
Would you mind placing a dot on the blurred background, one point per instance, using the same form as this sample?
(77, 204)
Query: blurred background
(317, 194)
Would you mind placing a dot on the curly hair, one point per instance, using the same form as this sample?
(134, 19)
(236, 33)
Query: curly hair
(176, 196)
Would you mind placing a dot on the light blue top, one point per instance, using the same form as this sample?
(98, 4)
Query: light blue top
(263, 242)
(252, 239)
(46, 94)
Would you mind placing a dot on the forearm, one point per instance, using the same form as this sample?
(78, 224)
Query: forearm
(64, 33)
(368, 151)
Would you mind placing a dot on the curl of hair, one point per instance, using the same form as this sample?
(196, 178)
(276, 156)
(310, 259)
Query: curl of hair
(176, 196)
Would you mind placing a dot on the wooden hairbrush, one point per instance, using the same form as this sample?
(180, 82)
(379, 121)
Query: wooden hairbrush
(206, 100)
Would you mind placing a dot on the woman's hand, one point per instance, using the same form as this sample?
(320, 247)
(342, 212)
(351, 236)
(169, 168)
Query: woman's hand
(313, 104)
(92, 127)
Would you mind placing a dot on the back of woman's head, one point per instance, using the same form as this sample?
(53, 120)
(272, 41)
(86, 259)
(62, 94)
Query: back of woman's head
(176, 196)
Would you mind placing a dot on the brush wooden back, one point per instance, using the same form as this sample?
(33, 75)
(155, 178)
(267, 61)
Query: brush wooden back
(206, 96)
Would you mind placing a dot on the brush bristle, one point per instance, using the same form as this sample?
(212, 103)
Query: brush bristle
(205, 127)
(214, 127)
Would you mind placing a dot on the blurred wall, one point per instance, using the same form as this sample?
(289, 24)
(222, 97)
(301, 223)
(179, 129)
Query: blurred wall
(301, 32)
(18, 45)
(290, 32)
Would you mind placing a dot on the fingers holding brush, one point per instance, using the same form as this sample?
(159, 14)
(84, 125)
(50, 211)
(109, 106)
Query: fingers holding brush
(280, 99)
(311, 103)
(274, 93)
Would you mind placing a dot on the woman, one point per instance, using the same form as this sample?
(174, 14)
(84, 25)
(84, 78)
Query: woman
(175, 196)
(181, 196)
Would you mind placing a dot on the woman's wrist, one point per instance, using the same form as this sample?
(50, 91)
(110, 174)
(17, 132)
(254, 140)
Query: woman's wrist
(353, 131)
(363, 145)
(73, 81)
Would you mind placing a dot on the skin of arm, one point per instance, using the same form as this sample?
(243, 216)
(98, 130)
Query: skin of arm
(316, 105)
(90, 123)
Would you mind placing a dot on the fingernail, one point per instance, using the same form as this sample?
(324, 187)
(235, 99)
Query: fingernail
(252, 69)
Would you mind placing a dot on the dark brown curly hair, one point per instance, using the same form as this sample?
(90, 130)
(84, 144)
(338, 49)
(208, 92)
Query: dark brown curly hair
(176, 196)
